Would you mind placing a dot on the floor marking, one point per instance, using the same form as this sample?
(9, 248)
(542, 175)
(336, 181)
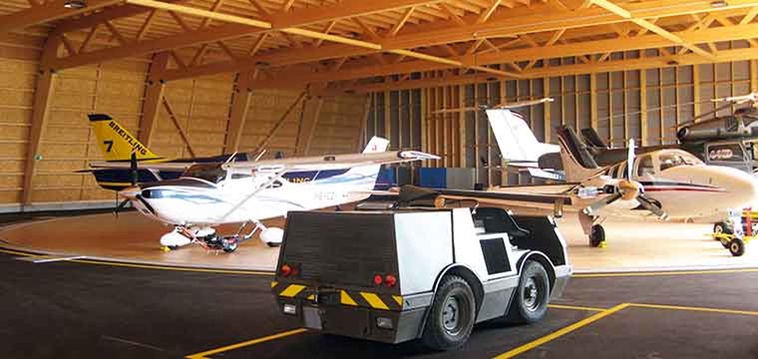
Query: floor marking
(561, 332)
(206, 353)
(176, 269)
(695, 309)
(132, 343)
(574, 307)
(50, 259)
(8, 251)
(670, 273)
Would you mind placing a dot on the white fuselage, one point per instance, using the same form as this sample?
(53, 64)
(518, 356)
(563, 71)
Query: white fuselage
(698, 192)
(196, 202)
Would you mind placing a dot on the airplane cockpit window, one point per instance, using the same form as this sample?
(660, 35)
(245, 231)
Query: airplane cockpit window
(241, 175)
(645, 166)
(671, 159)
(210, 172)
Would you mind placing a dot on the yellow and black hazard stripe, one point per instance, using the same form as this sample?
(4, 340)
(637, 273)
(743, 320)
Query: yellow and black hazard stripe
(351, 298)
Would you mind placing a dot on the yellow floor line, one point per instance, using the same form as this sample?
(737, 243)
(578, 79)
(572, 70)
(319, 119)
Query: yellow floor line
(206, 353)
(575, 307)
(561, 332)
(653, 274)
(168, 268)
(695, 309)
(7, 251)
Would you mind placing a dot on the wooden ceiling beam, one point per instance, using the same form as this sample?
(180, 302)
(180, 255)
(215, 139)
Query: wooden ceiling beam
(517, 21)
(650, 41)
(605, 4)
(239, 28)
(52, 10)
(565, 70)
(91, 20)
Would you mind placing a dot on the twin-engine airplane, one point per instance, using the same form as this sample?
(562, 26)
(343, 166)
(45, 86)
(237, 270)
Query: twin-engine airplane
(668, 183)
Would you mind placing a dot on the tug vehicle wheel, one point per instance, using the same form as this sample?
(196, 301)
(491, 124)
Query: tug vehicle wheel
(597, 236)
(722, 227)
(529, 304)
(737, 247)
(451, 316)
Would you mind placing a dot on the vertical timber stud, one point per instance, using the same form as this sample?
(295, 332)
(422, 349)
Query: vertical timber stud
(753, 75)
(643, 108)
(593, 101)
(546, 107)
(462, 138)
(308, 123)
(387, 120)
(241, 95)
(361, 138)
(153, 97)
(696, 111)
(40, 112)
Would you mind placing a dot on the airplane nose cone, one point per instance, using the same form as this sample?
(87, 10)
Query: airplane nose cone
(130, 192)
(743, 187)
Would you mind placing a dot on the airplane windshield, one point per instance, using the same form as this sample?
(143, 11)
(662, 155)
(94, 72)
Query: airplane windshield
(677, 158)
(210, 172)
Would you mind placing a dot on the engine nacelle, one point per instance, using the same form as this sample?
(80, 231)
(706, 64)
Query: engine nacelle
(272, 236)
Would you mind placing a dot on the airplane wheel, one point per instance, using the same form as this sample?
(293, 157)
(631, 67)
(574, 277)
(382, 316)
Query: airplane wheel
(230, 246)
(597, 236)
(737, 247)
(722, 227)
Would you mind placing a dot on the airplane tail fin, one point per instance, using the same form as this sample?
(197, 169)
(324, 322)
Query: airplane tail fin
(592, 138)
(578, 163)
(369, 174)
(376, 144)
(518, 145)
(115, 142)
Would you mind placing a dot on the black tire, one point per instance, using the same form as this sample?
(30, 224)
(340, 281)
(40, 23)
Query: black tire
(451, 316)
(597, 236)
(230, 246)
(737, 247)
(529, 303)
(722, 227)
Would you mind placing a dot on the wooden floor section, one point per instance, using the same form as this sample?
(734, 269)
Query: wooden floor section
(132, 237)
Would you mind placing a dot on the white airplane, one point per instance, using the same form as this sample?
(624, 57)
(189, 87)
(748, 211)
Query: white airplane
(668, 183)
(207, 195)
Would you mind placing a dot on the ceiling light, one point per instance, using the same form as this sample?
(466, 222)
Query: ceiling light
(75, 4)
(719, 3)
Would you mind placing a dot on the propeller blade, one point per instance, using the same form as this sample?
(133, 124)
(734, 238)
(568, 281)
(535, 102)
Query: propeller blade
(133, 172)
(596, 206)
(120, 206)
(652, 207)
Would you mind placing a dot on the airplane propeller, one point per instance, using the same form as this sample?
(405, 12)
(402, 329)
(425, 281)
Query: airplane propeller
(133, 179)
(628, 189)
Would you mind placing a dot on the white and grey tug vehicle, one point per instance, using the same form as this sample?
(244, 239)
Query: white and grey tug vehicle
(414, 272)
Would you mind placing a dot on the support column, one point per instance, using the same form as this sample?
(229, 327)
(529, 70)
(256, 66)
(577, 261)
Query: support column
(643, 108)
(238, 115)
(359, 142)
(153, 98)
(40, 112)
(308, 123)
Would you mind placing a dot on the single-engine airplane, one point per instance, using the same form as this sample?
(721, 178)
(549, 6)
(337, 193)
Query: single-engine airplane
(670, 183)
(207, 195)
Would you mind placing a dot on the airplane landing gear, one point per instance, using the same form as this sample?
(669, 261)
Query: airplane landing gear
(597, 236)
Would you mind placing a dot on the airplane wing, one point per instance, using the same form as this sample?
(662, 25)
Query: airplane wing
(328, 162)
(160, 166)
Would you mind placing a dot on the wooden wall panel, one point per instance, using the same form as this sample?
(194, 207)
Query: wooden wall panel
(338, 124)
(617, 102)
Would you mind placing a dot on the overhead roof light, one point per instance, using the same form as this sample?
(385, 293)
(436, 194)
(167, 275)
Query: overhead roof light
(719, 3)
(75, 4)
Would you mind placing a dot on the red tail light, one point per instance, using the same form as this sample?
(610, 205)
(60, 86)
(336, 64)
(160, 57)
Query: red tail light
(390, 280)
(378, 279)
(285, 270)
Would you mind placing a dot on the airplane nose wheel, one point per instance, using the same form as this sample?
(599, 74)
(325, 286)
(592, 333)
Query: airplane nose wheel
(597, 236)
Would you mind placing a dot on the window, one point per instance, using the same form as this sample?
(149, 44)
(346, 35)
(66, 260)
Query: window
(676, 158)
(210, 172)
(645, 166)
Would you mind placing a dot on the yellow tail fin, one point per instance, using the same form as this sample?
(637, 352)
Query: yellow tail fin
(116, 143)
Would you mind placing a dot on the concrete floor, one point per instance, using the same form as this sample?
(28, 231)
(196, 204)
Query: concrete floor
(93, 309)
(133, 237)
